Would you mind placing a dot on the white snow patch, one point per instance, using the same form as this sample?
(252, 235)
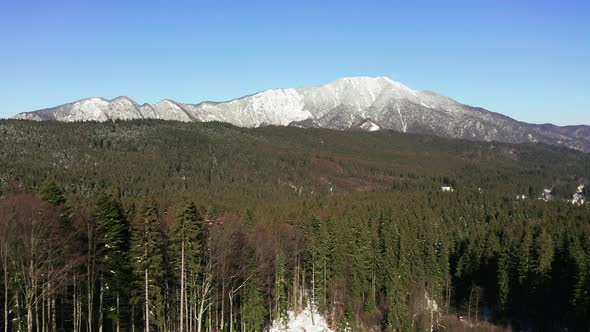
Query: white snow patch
(404, 124)
(370, 126)
(432, 307)
(531, 138)
(546, 195)
(302, 322)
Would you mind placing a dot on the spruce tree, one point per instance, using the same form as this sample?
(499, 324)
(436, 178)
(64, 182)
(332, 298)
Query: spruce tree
(280, 289)
(52, 193)
(252, 308)
(148, 265)
(113, 243)
(185, 252)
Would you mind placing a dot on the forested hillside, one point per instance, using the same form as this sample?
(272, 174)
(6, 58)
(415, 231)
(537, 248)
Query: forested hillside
(166, 226)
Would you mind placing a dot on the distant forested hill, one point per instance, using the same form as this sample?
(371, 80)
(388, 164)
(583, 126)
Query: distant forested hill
(158, 157)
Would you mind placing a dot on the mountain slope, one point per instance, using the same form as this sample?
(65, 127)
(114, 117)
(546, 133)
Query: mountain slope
(362, 103)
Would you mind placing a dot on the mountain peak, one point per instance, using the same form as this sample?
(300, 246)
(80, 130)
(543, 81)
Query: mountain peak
(365, 81)
(124, 98)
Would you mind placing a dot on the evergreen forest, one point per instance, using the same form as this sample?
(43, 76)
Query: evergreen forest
(151, 225)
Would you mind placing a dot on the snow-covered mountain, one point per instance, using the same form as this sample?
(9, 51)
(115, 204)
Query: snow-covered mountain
(361, 103)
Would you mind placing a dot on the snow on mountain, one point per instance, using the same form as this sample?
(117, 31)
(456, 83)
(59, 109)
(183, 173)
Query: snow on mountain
(170, 110)
(276, 107)
(346, 103)
(369, 125)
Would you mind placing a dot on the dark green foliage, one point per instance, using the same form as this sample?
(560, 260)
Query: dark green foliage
(253, 310)
(113, 240)
(220, 162)
(187, 230)
(147, 256)
(50, 192)
(280, 289)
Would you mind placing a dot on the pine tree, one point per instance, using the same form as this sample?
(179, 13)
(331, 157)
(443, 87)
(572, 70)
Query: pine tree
(148, 265)
(313, 261)
(252, 309)
(52, 193)
(185, 252)
(280, 289)
(113, 243)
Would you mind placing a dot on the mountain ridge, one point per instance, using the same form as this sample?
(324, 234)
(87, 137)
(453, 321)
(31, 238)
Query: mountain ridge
(346, 103)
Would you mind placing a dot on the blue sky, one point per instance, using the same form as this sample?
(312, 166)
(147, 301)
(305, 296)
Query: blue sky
(526, 59)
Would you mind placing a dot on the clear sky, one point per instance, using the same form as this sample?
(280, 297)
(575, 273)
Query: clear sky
(527, 59)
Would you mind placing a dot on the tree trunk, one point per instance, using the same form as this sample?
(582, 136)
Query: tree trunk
(18, 312)
(90, 277)
(270, 307)
(191, 313)
(209, 319)
(194, 306)
(36, 308)
(191, 308)
(373, 288)
(205, 289)
(302, 291)
(29, 317)
(75, 308)
(325, 284)
(118, 326)
(231, 312)
(53, 311)
(448, 294)
(476, 304)
(312, 302)
(5, 268)
(77, 317)
(431, 320)
(147, 309)
(295, 281)
(222, 326)
(217, 308)
(133, 318)
(43, 299)
(469, 307)
(90, 309)
(100, 308)
(182, 288)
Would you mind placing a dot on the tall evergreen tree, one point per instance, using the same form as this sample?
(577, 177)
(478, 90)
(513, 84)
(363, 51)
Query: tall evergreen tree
(280, 289)
(252, 307)
(147, 255)
(186, 255)
(113, 240)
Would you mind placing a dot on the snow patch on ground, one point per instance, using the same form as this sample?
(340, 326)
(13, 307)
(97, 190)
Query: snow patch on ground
(546, 195)
(302, 322)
